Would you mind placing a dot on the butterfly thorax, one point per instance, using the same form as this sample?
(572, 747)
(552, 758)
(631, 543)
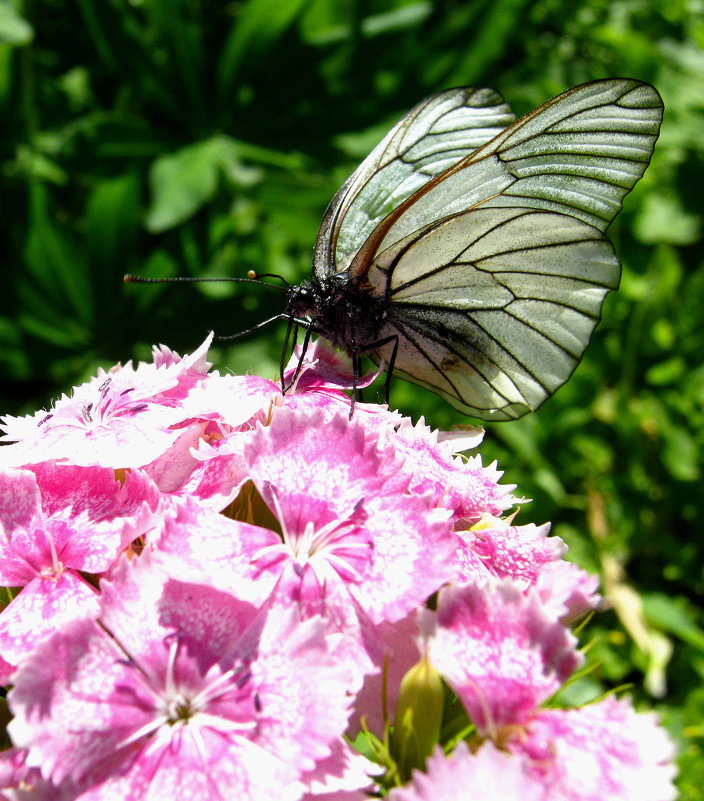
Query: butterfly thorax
(341, 311)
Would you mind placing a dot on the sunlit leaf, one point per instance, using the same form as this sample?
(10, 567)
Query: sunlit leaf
(14, 28)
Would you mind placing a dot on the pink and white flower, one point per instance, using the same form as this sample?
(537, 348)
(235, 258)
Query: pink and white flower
(488, 774)
(499, 651)
(218, 581)
(178, 686)
(57, 521)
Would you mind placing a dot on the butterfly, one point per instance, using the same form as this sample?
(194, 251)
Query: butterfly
(467, 252)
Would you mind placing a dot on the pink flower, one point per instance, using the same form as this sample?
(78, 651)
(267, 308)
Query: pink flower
(130, 416)
(58, 520)
(567, 591)
(525, 554)
(465, 487)
(600, 752)
(349, 530)
(200, 546)
(19, 782)
(343, 776)
(179, 686)
(117, 419)
(490, 775)
(499, 651)
(516, 552)
(259, 582)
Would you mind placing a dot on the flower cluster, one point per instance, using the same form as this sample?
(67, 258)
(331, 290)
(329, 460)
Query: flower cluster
(224, 592)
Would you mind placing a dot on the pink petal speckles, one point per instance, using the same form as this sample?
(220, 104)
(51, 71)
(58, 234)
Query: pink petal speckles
(65, 519)
(341, 503)
(43, 607)
(203, 547)
(499, 652)
(465, 487)
(205, 690)
(516, 552)
(600, 752)
(22, 553)
(489, 774)
(329, 468)
(81, 518)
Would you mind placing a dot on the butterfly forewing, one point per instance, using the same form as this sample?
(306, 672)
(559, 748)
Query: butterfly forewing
(578, 154)
(433, 136)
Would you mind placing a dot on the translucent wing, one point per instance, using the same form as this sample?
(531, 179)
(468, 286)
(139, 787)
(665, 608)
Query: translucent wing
(493, 308)
(578, 154)
(434, 135)
(483, 264)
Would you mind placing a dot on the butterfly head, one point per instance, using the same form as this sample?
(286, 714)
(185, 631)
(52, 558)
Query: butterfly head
(301, 300)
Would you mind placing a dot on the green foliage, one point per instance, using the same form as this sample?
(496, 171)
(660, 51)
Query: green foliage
(194, 137)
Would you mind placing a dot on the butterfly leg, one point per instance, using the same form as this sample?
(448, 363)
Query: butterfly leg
(356, 372)
(284, 351)
(304, 347)
(390, 368)
(253, 329)
(392, 361)
(357, 367)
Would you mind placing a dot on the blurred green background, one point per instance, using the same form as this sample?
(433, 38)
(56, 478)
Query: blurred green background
(178, 137)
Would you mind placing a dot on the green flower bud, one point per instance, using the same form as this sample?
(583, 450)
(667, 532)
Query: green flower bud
(418, 718)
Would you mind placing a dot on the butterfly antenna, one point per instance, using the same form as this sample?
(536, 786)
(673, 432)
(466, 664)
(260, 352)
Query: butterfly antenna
(252, 278)
(230, 337)
(252, 275)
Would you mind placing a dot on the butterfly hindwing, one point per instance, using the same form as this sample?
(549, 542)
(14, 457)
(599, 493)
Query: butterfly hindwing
(493, 308)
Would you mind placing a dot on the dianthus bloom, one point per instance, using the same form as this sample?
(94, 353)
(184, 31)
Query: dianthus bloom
(220, 591)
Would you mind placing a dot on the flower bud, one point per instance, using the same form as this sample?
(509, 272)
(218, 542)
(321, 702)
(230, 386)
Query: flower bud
(418, 717)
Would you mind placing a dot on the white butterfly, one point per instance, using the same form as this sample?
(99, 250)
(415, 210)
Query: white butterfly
(469, 256)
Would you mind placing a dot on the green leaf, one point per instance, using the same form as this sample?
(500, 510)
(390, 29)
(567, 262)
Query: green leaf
(14, 28)
(56, 267)
(675, 615)
(663, 218)
(327, 22)
(680, 453)
(30, 162)
(496, 27)
(666, 372)
(112, 224)
(182, 182)
(259, 25)
(14, 361)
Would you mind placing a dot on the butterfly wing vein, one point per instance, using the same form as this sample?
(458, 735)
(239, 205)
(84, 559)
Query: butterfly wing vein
(484, 238)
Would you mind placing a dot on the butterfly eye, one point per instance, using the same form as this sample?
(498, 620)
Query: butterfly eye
(300, 300)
